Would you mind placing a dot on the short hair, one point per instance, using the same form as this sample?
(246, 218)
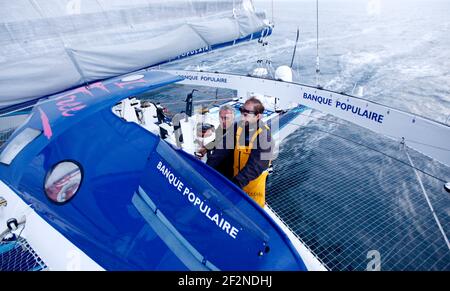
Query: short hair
(226, 108)
(258, 106)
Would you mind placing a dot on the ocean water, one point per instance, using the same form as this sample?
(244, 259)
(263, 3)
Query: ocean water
(350, 195)
(397, 50)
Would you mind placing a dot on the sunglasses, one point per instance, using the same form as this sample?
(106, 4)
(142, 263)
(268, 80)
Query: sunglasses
(245, 111)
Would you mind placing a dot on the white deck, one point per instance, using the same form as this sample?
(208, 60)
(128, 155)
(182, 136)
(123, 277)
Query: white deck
(58, 253)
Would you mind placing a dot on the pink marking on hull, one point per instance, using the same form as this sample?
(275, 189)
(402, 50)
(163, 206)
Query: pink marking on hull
(74, 92)
(46, 124)
(98, 85)
(68, 101)
(68, 104)
(124, 84)
(68, 111)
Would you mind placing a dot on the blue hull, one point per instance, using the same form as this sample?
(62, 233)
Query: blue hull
(142, 205)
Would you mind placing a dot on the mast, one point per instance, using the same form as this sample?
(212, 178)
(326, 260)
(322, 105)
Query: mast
(317, 40)
(295, 47)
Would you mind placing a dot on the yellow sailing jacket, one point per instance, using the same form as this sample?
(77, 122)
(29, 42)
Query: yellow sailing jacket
(256, 189)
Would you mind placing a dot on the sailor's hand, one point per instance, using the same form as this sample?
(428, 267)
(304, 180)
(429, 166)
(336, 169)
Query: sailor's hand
(201, 152)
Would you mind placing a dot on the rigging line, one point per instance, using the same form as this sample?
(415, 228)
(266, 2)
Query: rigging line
(370, 148)
(317, 41)
(425, 144)
(273, 19)
(428, 200)
(295, 47)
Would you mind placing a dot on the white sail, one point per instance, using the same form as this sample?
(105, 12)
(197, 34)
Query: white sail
(47, 46)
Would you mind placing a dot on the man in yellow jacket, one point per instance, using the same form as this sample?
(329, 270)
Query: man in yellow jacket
(253, 151)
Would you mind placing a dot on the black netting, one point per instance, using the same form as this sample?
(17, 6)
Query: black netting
(347, 193)
(17, 255)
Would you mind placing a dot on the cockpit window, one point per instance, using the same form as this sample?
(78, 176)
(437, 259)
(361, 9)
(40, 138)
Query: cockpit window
(19, 142)
(63, 182)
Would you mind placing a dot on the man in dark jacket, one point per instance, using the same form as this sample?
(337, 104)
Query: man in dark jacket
(220, 151)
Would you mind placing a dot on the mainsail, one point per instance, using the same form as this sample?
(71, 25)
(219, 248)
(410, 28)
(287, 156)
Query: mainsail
(47, 46)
